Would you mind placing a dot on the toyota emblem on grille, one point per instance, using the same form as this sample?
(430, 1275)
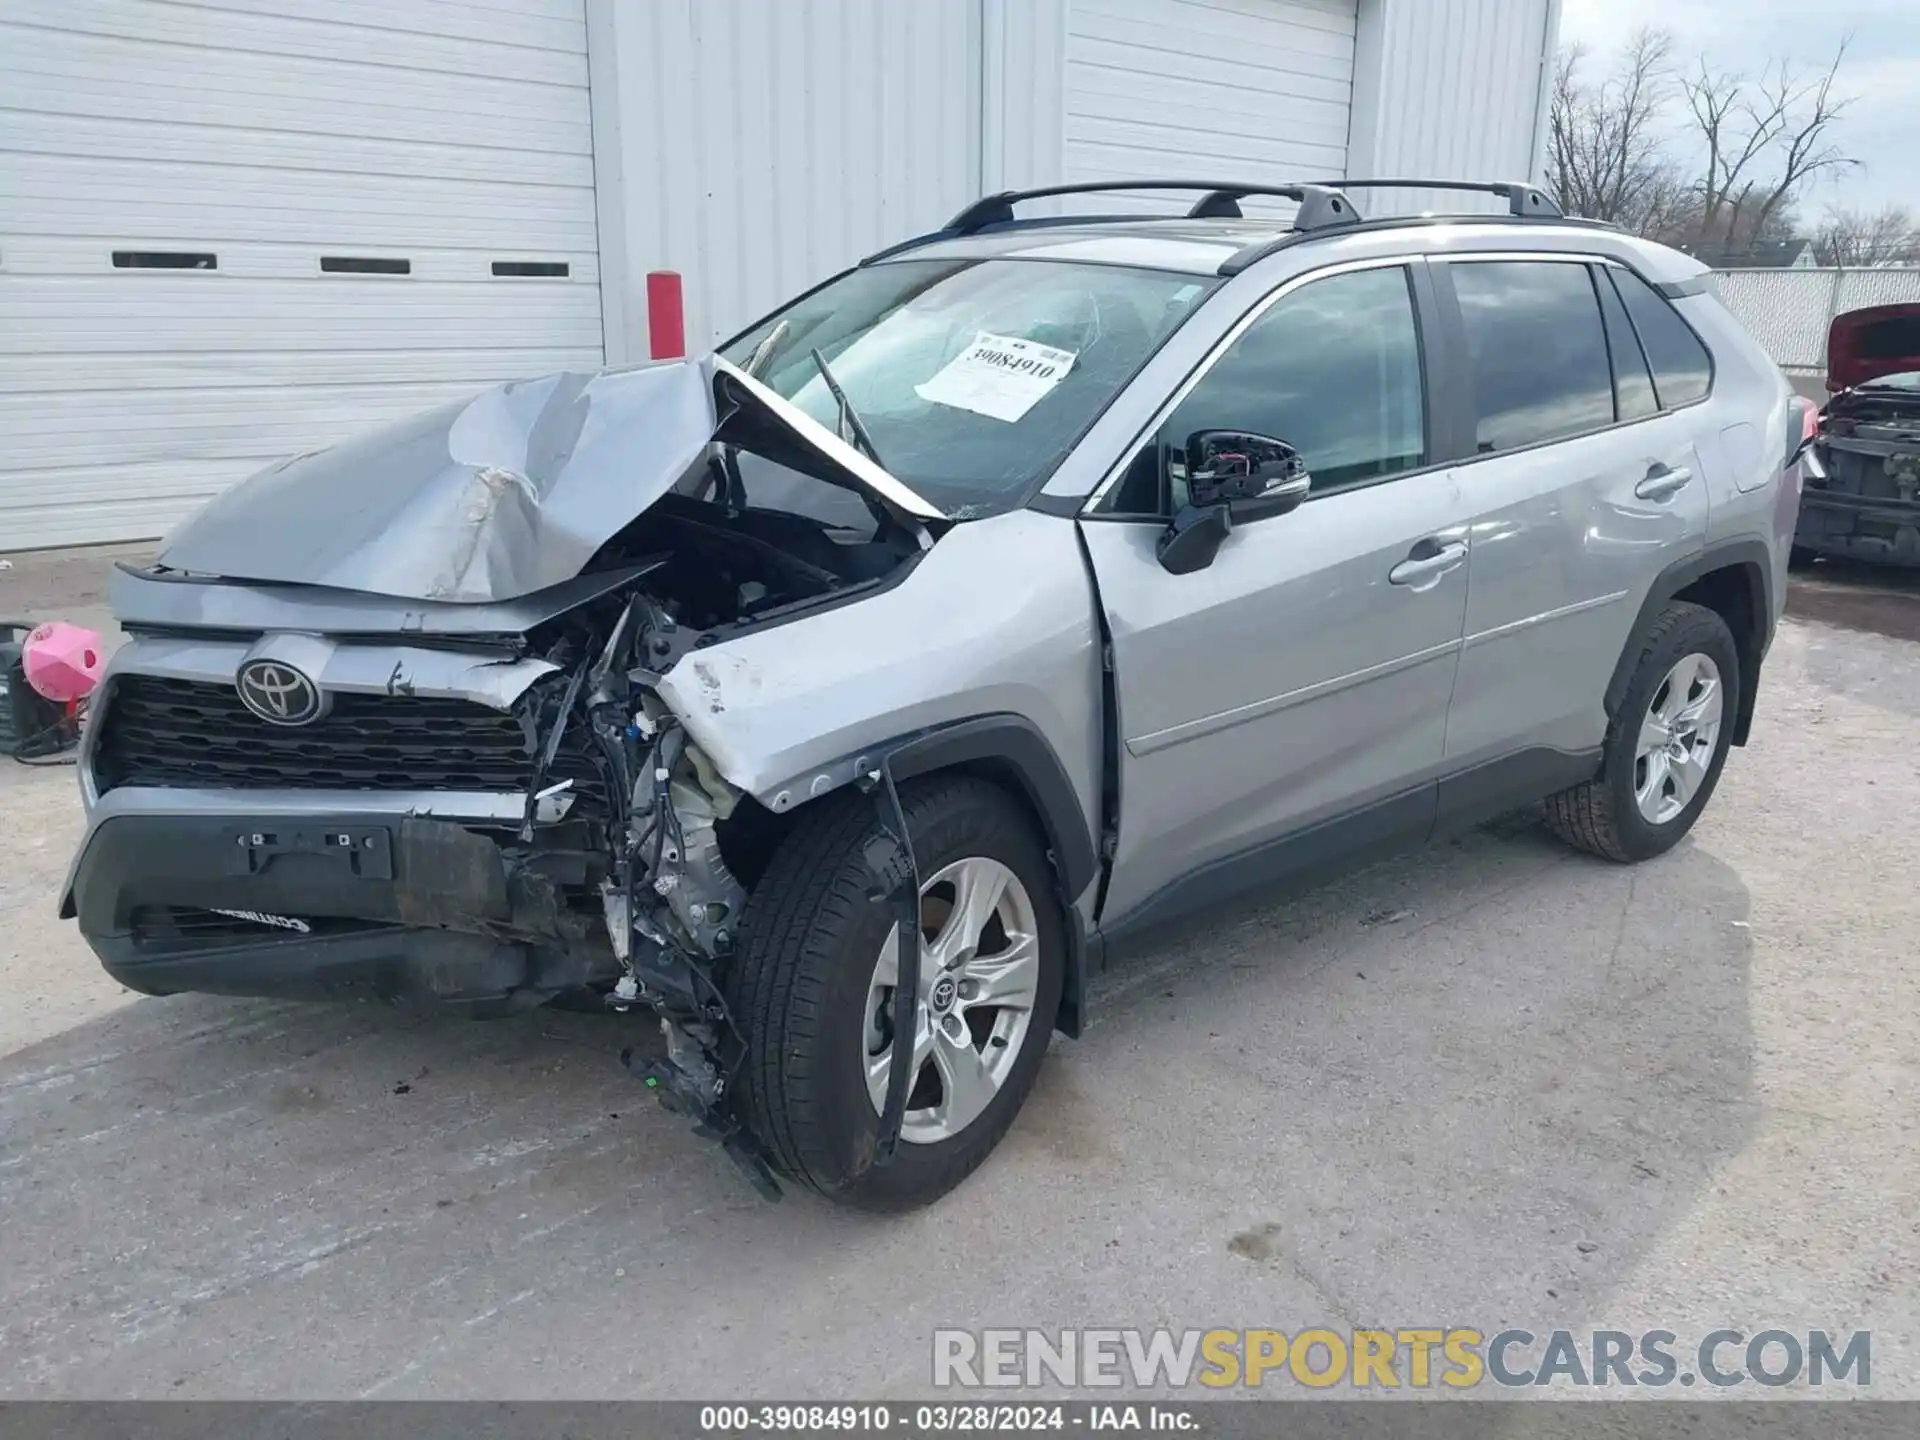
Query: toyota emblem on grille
(278, 693)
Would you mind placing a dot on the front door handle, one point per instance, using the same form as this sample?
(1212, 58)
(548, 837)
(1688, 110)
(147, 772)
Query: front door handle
(1662, 481)
(1429, 561)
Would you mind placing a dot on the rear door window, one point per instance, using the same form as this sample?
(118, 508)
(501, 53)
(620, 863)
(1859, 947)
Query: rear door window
(1538, 351)
(1682, 369)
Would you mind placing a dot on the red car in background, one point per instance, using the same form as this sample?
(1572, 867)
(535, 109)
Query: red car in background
(1861, 498)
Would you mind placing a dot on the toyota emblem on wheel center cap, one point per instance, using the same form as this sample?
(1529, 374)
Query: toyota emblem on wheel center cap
(943, 990)
(278, 693)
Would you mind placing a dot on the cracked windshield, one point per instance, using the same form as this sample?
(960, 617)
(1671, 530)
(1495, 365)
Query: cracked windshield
(970, 379)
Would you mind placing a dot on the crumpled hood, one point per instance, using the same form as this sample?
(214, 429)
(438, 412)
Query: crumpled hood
(509, 492)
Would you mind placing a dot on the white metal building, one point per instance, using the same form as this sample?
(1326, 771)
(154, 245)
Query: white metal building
(234, 230)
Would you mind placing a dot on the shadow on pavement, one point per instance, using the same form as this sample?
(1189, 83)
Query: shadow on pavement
(1879, 599)
(1495, 1105)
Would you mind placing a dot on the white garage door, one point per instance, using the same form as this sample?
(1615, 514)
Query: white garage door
(1209, 89)
(237, 230)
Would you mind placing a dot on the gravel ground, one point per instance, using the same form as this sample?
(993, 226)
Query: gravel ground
(1493, 1083)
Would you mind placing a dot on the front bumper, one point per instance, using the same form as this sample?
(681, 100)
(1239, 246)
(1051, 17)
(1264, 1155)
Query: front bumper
(1845, 510)
(1859, 527)
(326, 906)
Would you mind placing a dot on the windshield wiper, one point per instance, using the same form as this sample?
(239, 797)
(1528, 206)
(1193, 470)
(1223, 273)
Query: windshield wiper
(849, 421)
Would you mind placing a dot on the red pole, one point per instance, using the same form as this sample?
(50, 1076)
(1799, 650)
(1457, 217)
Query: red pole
(666, 315)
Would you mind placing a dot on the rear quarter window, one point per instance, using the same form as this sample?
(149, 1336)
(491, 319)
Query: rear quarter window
(1632, 379)
(1682, 368)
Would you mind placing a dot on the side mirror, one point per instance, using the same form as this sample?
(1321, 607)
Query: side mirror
(1255, 476)
(1193, 538)
(1233, 477)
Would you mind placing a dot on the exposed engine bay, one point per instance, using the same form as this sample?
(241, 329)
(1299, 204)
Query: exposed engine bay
(715, 566)
(1867, 504)
(681, 843)
(1863, 500)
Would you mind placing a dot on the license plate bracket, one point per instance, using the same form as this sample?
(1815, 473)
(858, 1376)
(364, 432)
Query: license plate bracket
(366, 850)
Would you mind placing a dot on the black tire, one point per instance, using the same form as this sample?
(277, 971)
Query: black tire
(1601, 815)
(799, 978)
(1801, 557)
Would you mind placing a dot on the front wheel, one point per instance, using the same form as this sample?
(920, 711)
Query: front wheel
(1666, 745)
(813, 981)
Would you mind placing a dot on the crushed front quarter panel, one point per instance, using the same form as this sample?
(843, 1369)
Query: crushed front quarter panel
(996, 618)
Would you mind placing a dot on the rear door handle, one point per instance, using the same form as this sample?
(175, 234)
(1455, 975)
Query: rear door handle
(1662, 481)
(1429, 561)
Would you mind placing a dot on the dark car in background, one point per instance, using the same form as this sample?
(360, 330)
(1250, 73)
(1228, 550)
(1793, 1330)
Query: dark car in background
(1862, 493)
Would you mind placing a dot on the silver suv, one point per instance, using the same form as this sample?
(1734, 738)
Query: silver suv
(843, 699)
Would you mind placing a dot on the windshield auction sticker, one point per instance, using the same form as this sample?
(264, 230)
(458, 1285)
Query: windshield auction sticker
(999, 376)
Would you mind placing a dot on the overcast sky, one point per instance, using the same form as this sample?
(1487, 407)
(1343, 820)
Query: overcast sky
(1882, 68)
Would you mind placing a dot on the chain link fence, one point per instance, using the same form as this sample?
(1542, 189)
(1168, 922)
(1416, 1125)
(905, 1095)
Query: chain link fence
(1788, 311)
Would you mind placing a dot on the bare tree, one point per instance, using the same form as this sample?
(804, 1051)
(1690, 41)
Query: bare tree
(1604, 143)
(1853, 237)
(1762, 141)
(1704, 158)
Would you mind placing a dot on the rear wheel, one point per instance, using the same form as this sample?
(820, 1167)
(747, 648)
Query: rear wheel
(1666, 745)
(815, 975)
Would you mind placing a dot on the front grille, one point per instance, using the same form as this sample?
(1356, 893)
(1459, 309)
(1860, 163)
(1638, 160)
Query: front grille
(159, 731)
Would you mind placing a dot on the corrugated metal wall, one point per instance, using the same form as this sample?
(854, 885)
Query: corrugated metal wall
(764, 144)
(1023, 97)
(759, 145)
(186, 190)
(1788, 311)
(1451, 89)
(1242, 89)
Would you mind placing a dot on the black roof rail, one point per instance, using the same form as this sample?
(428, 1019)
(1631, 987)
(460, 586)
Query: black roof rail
(1321, 206)
(1521, 198)
(1321, 203)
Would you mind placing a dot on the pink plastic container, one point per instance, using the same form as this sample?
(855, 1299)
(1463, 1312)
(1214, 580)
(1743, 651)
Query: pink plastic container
(62, 661)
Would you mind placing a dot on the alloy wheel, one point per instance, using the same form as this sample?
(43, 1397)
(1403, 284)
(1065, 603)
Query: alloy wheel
(1677, 738)
(979, 977)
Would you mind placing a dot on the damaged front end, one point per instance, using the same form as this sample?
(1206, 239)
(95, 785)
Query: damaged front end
(389, 720)
(1862, 498)
(672, 901)
(1863, 501)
